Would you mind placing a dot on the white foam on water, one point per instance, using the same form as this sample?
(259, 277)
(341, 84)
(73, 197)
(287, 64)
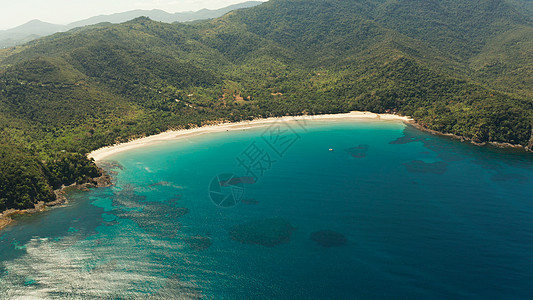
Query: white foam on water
(70, 269)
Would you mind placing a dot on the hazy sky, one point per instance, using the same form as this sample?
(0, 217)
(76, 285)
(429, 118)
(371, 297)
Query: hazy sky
(18, 12)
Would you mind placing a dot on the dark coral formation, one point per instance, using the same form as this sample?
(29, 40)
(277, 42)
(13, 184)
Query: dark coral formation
(358, 152)
(268, 233)
(198, 242)
(158, 218)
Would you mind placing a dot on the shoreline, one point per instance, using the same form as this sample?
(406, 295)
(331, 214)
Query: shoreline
(105, 152)
(500, 145)
(102, 153)
(6, 216)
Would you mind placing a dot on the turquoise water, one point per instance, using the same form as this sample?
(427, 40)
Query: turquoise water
(271, 212)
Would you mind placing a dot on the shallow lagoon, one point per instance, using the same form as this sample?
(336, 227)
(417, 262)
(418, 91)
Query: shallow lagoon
(391, 212)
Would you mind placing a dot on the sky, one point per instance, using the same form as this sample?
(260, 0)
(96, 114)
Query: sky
(17, 12)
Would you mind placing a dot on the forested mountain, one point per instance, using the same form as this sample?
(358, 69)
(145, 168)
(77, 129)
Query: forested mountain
(36, 29)
(27, 32)
(457, 66)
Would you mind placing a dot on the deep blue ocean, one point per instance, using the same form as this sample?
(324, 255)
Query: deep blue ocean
(291, 210)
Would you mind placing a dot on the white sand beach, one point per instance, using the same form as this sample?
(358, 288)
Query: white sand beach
(103, 153)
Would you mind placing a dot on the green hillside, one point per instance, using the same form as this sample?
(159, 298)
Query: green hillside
(460, 67)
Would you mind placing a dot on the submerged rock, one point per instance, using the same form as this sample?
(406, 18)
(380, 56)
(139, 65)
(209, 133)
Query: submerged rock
(174, 200)
(4, 222)
(161, 183)
(358, 152)
(165, 184)
(268, 233)
(156, 218)
(198, 242)
(110, 165)
(406, 139)
(329, 238)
